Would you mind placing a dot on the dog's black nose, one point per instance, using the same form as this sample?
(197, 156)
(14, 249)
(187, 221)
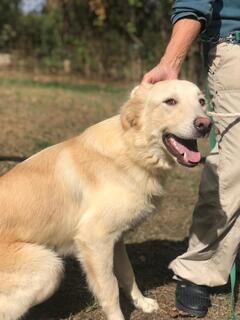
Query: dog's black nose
(203, 125)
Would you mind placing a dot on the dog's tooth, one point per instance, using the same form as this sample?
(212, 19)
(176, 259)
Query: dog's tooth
(185, 156)
(173, 141)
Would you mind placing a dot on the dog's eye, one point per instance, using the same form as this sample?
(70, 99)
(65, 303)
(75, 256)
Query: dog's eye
(170, 102)
(202, 102)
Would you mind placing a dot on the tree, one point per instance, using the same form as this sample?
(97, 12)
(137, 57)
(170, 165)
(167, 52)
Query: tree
(9, 16)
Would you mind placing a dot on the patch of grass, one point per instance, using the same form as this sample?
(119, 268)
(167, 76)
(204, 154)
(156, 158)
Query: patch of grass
(62, 85)
(42, 144)
(35, 114)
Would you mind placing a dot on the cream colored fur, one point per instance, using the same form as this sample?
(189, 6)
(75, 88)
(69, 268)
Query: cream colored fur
(78, 197)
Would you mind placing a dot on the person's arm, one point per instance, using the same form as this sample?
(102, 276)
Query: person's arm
(185, 31)
(189, 18)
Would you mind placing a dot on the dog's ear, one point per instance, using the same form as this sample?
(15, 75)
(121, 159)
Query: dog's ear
(134, 91)
(131, 111)
(140, 90)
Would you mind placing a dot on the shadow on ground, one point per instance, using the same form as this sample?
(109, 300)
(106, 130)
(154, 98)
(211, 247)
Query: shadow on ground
(150, 261)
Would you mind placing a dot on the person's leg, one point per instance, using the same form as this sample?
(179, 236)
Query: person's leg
(215, 236)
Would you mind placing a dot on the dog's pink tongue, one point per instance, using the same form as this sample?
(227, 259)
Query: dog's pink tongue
(189, 155)
(193, 156)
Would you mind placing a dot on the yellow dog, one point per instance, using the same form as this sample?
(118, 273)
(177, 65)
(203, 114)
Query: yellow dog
(78, 197)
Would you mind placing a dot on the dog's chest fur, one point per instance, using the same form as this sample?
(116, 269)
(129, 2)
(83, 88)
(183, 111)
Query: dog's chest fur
(125, 201)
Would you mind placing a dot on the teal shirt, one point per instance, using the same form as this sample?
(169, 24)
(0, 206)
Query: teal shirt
(218, 17)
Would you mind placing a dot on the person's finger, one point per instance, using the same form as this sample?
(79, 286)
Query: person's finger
(147, 78)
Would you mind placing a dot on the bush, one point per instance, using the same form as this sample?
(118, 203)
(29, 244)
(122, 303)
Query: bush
(101, 38)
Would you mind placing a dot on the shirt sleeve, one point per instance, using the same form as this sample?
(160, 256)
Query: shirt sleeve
(197, 9)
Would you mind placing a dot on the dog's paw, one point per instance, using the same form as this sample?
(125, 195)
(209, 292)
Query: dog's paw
(147, 305)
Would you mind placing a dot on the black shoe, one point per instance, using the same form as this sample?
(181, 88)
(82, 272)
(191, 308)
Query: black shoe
(192, 298)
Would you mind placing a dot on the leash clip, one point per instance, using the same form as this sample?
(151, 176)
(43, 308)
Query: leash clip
(233, 37)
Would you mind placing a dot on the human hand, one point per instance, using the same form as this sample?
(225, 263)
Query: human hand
(160, 72)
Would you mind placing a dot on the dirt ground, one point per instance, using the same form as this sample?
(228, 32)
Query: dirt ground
(36, 112)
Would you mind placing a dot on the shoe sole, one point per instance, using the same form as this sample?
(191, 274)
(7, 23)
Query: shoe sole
(193, 313)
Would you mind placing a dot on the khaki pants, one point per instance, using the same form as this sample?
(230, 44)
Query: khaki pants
(215, 231)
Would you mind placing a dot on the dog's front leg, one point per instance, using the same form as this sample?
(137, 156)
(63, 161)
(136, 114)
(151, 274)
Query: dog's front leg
(126, 278)
(96, 258)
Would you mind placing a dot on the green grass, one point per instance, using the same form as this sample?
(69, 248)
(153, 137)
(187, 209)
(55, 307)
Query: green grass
(87, 88)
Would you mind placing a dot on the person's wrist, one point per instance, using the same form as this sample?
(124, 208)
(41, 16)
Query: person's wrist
(170, 70)
(173, 64)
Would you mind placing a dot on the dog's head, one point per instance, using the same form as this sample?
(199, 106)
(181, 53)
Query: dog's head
(171, 115)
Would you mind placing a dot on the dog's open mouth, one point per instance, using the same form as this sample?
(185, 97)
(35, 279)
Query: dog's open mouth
(186, 151)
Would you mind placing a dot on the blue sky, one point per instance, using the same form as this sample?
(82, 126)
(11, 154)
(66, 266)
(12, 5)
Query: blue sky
(32, 5)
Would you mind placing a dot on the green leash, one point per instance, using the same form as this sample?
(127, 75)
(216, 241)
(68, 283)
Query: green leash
(212, 137)
(233, 282)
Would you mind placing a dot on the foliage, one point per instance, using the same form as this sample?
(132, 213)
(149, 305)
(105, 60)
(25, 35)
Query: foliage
(9, 14)
(100, 38)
